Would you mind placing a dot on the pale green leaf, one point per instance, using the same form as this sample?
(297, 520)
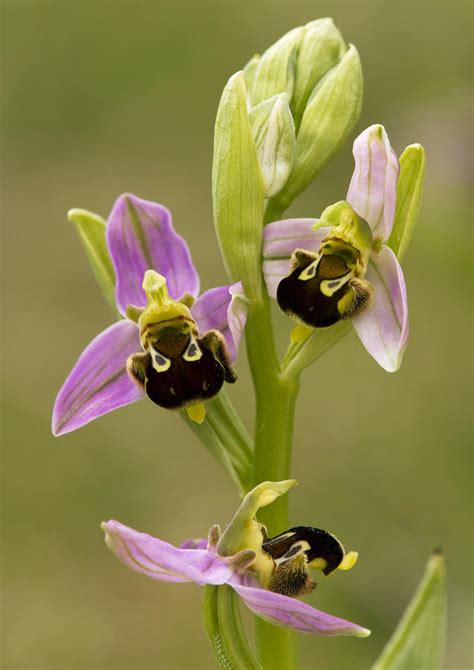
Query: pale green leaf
(419, 639)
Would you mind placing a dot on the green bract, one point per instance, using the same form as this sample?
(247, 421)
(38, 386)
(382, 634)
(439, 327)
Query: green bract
(238, 187)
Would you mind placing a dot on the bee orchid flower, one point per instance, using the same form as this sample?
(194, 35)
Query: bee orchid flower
(340, 266)
(172, 345)
(268, 574)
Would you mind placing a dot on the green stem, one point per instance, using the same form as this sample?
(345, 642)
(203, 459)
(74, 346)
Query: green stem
(275, 397)
(225, 631)
(275, 403)
(276, 647)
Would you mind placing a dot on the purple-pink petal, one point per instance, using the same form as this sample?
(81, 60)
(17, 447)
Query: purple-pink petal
(292, 613)
(373, 187)
(163, 561)
(140, 237)
(98, 383)
(225, 309)
(383, 325)
(280, 239)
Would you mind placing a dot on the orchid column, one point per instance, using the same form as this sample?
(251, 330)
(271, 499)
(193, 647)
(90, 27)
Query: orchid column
(279, 122)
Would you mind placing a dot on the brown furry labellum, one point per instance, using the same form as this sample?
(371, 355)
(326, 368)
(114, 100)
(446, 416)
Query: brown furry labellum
(295, 552)
(324, 288)
(180, 368)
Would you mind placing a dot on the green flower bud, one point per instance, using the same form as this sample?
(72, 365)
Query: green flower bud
(238, 188)
(274, 133)
(249, 75)
(330, 115)
(321, 48)
(275, 70)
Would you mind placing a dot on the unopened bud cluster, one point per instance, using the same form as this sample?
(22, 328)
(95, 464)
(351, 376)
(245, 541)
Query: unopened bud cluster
(306, 91)
(279, 122)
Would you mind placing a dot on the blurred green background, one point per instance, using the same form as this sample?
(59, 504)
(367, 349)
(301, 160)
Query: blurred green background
(106, 97)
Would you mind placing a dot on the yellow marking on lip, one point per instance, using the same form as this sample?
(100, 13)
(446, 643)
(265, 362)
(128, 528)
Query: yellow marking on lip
(300, 333)
(196, 413)
(318, 563)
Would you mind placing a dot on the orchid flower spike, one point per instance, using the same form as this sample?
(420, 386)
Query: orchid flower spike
(268, 573)
(173, 346)
(340, 266)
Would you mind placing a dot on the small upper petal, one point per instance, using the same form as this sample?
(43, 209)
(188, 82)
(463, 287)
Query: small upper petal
(373, 188)
(280, 239)
(224, 309)
(140, 237)
(163, 561)
(99, 382)
(236, 317)
(292, 613)
(383, 325)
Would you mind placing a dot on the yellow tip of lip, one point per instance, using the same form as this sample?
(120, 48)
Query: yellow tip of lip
(300, 333)
(349, 560)
(196, 413)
